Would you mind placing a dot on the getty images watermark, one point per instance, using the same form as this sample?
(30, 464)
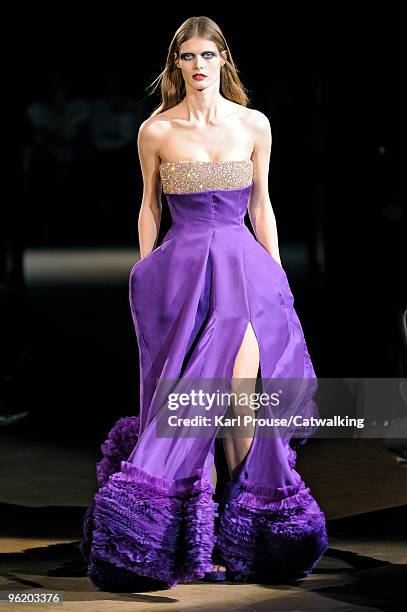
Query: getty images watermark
(279, 407)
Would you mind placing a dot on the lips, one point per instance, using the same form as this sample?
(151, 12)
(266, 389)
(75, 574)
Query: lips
(199, 76)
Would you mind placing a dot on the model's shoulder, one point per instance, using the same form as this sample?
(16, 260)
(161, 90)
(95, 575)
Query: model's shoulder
(152, 130)
(257, 119)
(158, 124)
(236, 110)
(152, 125)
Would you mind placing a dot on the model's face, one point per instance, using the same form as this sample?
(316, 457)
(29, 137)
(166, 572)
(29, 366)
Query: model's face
(199, 55)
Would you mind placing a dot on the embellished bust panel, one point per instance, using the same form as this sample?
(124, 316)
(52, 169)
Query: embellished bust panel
(195, 176)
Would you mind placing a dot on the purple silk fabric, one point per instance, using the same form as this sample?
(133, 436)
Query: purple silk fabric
(153, 517)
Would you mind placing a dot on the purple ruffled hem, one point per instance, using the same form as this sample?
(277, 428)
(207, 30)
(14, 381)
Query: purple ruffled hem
(121, 440)
(147, 530)
(267, 535)
(292, 457)
(172, 487)
(159, 532)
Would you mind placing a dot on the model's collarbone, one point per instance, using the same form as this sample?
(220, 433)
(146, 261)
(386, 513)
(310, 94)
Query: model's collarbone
(208, 150)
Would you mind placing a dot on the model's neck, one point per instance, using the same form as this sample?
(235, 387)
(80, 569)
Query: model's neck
(203, 108)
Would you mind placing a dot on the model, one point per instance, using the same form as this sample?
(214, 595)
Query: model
(210, 303)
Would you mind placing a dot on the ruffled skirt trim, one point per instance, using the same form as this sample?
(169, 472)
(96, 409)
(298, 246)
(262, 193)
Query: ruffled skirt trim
(267, 535)
(152, 527)
(143, 530)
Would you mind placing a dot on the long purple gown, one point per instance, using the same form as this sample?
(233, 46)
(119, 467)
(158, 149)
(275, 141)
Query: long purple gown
(154, 517)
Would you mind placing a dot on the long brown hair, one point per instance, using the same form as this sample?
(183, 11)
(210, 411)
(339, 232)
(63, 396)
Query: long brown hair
(171, 81)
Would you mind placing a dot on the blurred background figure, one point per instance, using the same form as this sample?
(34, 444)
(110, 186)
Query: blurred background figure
(55, 160)
(114, 122)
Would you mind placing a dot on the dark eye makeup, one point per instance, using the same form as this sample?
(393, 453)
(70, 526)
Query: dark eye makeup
(207, 54)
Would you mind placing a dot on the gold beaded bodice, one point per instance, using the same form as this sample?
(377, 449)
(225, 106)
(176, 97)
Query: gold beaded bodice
(194, 176)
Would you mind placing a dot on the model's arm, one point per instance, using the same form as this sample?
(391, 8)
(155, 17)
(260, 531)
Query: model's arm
(260, 209)
(151, 206)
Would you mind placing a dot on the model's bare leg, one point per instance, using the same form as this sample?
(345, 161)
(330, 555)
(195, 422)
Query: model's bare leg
(245, 372)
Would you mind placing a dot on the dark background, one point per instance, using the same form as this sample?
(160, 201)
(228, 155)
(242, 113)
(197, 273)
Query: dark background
(333, 87)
